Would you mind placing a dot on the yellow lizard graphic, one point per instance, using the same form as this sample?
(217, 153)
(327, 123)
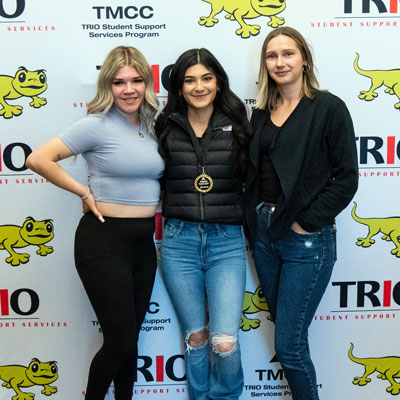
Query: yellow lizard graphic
(32, 233)
(389, 78)
(37, 373)
(387, 367)
(390, 227)
(253, 303)
(239, 10)
(24, 83)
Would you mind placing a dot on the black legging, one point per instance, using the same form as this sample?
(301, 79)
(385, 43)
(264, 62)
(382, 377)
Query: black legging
(116, 261)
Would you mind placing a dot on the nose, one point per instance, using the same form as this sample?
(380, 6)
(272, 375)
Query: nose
(128, 88)
(279, 61)
(199, 85)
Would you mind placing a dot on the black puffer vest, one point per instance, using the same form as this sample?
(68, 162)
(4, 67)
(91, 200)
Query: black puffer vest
(223, 204)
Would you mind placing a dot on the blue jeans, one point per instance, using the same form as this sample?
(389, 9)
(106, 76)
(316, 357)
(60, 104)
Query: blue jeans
(204, 270)
(294, 273)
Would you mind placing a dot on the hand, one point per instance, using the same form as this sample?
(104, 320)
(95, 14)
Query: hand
(89, 204)
(298, 229)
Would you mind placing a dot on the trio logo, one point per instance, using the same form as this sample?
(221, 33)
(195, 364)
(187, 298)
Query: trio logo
(389, 227)
(382, 150)
(379, 294)
(24, 84)
(253, 303)
(382, 6)
(154, 370)
(31, 233)
(10, 159)
(388, 78)
(37, 373)
(12, 301)
(238, 10)
(19, 9)
(388, 368)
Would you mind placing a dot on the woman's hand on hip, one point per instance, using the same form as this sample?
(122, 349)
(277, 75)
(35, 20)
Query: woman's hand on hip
(298, 229)
(89, 204)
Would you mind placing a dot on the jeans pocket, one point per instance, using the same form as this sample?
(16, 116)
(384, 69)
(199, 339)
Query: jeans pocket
(307, 234)
(231, 231)
(171, 229)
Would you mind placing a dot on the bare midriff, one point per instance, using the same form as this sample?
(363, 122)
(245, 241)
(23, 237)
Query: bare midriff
(125, 211)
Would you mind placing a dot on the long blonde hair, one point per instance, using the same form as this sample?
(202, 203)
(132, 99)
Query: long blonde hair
(268, 94)
(117, 58)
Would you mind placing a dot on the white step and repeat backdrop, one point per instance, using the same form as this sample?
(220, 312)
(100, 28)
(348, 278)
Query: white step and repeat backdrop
(57, 47)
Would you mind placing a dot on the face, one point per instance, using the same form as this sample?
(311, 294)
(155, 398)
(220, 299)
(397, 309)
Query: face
(268, 7)
(30, 83)
(128, 90)
(284, 61)
(199, 87)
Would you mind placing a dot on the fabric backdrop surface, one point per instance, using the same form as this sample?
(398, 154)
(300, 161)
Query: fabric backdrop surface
(44, 311)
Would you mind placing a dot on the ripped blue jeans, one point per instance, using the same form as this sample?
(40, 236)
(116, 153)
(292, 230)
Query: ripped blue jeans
(204, 270)
(294, 273)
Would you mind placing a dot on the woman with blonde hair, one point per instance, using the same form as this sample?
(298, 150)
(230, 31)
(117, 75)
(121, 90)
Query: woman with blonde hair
(114, 250)
(303, 172)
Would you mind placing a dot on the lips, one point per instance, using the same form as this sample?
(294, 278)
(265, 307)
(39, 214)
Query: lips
(130, 99)
(199, 96)
(281, 73)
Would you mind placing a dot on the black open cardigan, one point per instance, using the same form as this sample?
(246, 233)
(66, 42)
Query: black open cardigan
(315, 157)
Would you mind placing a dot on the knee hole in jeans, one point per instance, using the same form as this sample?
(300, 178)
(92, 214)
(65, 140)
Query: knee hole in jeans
(197, 339)
(224, 344)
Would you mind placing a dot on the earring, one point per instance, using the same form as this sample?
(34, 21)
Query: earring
(305, 68)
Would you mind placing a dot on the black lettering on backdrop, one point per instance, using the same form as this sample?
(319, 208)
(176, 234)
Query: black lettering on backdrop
(19, 9)
(14, 301)
(7, 156)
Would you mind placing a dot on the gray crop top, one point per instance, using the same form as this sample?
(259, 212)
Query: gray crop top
(124, 167)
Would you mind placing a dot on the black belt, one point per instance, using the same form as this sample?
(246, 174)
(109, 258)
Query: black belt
(270, 206)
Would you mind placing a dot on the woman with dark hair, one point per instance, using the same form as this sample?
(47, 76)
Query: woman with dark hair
(114, 249)
(203, 136)
(303, 172)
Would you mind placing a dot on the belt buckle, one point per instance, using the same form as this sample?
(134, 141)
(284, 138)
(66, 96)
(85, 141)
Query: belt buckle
(264, 204)
(270, 206)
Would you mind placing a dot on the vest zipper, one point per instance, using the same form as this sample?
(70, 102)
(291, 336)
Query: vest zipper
(201, 207)
(201, 194)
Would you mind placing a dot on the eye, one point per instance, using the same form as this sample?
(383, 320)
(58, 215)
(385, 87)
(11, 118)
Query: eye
(53, 369)
(22, 77)
(35, 367)
(49, 228)
(117, 83)
(188, 81)
(260, 294)
(139, 80)
(29, 227)
(42, 78)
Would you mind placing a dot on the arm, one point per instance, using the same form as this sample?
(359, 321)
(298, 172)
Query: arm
(44, 160)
